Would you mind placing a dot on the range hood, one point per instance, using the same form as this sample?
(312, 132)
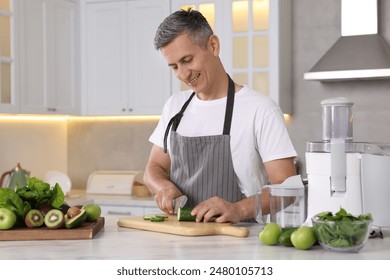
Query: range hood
(360, 53)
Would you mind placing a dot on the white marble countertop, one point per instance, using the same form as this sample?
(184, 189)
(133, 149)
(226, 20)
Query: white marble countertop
(116, 243)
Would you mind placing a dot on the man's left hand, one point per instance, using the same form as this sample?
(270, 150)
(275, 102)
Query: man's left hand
(218, 209)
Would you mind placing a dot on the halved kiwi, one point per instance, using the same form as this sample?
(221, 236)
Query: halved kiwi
(54, 219)
(34, 218)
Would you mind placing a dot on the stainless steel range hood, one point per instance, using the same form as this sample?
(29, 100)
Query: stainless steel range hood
(360, 53)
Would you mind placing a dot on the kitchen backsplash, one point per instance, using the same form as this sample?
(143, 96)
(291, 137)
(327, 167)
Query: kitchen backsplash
(107, 145)
(38, 144)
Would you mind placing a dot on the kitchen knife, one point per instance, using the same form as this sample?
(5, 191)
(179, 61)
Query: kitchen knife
(179, 203)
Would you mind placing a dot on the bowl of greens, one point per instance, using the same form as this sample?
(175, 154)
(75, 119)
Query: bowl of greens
(342, 232)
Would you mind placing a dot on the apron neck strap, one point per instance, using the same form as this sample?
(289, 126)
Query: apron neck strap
(229, 107)
(174, 122)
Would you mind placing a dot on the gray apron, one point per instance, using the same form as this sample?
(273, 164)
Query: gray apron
(202, 167)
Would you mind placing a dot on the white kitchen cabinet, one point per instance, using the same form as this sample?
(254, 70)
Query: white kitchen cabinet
(49, 75)
(8, 97)
(124, 73)
(255, 43)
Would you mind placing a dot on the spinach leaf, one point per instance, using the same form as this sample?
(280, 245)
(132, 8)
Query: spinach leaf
(58, 196)
(12, 201)
(5, 193)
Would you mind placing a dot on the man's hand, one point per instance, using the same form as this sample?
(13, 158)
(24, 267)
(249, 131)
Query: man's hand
(157, 179)
(165, 196)
(216, 207)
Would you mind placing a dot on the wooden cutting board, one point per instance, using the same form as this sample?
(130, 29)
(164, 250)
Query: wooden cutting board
(173, 226)
(85, 231)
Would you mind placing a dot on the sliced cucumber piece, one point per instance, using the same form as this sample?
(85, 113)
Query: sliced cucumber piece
(155, 218)
(148, 217)
(184, 214)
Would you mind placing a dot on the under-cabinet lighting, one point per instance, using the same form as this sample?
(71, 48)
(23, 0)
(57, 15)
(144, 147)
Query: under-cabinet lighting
(33, 118)
(77, 118)
(115, 118)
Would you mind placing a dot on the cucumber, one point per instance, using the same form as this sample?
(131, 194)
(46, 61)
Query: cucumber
(284, 238)
(184, 214)
(155, 218)
(148, 217)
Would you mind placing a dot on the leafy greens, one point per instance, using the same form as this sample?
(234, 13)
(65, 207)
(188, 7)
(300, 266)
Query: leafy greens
(342, 229)
(35, 193)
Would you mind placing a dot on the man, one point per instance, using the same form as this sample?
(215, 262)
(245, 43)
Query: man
(218, 143)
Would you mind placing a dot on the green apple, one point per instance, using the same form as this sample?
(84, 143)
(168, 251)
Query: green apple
(7, 218)
(93, 212)
(270, 234)
(303, 238)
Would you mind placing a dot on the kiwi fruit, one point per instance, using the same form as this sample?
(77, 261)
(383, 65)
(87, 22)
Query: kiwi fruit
(55, 219)
(34, 218)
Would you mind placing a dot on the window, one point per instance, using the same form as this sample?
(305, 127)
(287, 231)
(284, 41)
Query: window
(250, 29)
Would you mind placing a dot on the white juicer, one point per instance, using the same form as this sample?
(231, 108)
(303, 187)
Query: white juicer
(347, 174)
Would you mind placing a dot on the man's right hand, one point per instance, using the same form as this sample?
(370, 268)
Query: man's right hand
(165, 196)
(157, 179)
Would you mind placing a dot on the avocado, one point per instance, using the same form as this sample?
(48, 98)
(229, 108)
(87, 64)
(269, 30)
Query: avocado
(76, 220)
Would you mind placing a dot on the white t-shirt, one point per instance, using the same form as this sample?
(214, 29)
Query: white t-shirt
(258, 132)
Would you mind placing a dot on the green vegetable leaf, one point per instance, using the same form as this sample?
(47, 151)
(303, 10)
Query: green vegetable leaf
(363, 217)
(38, 192)
(342, 215)
(5, 193)
(58, 196)
(339, 243)
(17, 205)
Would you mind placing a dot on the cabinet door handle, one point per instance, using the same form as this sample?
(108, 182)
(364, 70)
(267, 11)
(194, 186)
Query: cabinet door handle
(119, 213)
(130, 109)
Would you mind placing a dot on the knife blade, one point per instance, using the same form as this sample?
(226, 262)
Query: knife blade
(179, 202)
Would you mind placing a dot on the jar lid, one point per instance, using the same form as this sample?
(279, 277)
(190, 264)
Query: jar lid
(337, 101)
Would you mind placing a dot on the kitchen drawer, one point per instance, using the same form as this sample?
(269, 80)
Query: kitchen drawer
(113, 210)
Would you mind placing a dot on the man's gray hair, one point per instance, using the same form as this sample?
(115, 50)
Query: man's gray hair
(180, 22)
